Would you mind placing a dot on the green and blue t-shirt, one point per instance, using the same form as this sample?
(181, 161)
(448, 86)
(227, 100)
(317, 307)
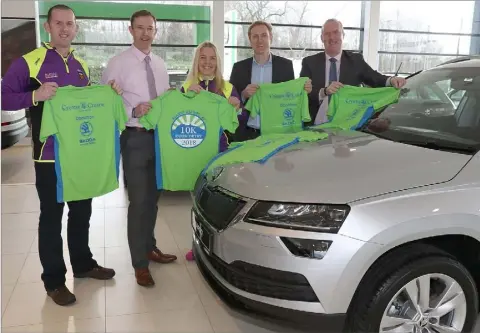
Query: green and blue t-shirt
(187, 128)
(282, 107)
(351, 107)
(85, 123)
(262, 148)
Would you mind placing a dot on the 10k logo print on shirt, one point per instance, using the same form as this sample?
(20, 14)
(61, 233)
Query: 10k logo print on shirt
(188, 129)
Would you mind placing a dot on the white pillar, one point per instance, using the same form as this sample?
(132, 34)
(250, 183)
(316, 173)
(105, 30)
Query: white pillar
(38, 24)
(371, 33)
(217, 27)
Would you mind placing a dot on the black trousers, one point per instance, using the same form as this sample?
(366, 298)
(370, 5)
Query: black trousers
(50, 243)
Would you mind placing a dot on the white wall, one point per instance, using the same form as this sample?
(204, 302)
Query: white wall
(18, 8)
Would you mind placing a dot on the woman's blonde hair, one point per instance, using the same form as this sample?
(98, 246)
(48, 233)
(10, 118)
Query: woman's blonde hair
(194, 74)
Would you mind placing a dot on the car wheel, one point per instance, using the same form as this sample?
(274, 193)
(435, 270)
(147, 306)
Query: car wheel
(433, 294)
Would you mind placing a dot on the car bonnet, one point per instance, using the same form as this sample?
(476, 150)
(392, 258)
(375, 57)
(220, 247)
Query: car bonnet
(341, 169)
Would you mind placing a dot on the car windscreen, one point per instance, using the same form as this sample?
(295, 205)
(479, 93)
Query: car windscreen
(437, 109)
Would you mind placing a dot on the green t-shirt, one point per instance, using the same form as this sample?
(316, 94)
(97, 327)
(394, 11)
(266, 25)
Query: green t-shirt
(187, 128)
(86, 123)
(283, 107)
(351, 106)
(262, 148)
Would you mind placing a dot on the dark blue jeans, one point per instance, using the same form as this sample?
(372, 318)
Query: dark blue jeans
(50, 243)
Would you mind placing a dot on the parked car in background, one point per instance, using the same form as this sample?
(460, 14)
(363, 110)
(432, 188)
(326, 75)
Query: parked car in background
(374, 230)
(14, 127)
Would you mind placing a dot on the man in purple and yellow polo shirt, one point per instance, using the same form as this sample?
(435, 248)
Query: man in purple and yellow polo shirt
(31, 80)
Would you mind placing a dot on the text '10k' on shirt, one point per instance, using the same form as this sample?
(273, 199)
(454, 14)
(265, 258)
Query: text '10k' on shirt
(262, 148)
(351, 107)
(282, 107)
(85, 123)
(187, 128)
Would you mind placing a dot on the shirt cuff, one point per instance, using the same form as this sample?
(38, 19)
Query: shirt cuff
(389, 82)
(321, 94)
(33, 99)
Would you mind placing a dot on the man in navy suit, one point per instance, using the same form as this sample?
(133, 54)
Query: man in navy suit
(331, 69)
(263, 67)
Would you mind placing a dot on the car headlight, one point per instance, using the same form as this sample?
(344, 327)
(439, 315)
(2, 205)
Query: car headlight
(312, 217)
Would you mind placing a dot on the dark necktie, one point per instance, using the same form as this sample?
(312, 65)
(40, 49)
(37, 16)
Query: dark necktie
(333, 73)
(152, 90)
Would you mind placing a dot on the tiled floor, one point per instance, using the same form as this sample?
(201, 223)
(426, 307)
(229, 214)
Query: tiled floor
(180, 302)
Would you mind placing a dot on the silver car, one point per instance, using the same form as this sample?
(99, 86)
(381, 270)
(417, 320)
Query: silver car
(374, 230)
(14, 127)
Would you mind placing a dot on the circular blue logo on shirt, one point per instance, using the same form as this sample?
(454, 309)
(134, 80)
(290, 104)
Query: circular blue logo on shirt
(86, 128)
(288, 113)
(188, 130)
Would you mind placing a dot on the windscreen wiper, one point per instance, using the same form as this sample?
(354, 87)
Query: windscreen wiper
(365, 129)
(412, 75)
(439, 146)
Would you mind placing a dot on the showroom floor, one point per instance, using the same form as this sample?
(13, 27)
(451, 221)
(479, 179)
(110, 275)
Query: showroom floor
(180, 302)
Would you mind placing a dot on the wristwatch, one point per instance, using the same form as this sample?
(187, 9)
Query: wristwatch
(133, 113)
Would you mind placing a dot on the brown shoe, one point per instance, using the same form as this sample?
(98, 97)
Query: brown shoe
(62, 296)
(98, 273)
(144, 278)
(161, 258)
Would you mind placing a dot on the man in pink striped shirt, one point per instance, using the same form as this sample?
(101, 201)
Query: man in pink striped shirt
(143, 76)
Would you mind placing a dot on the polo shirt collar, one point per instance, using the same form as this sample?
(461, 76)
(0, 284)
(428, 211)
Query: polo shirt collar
(201, 78)
(48, 46)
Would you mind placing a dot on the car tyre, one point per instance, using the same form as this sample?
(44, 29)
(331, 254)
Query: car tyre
(377, 290)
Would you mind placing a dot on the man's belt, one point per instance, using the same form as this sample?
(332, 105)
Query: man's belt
(251, 129)
(138, 129)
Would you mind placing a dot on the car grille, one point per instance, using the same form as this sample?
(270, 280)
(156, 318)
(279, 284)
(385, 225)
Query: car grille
(264, 281)
(217, 207)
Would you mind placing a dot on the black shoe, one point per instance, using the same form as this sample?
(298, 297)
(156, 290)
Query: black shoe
(62, 296)
(98, 273)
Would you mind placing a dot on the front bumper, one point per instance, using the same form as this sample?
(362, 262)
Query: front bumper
(302, 319)
(253, 268)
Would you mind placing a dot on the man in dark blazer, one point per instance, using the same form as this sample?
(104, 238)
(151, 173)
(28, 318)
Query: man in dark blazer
(331, 69)
(263, 67)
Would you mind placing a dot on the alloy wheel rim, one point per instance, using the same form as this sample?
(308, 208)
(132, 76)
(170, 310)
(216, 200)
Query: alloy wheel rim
(431, 303)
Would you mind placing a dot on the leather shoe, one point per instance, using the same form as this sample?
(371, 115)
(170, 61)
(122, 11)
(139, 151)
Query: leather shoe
(161, 258)
(62, 296)
(144, 278)
(97, 273)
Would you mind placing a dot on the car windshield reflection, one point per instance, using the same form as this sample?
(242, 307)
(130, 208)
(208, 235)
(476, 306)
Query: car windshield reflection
(437, 109)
